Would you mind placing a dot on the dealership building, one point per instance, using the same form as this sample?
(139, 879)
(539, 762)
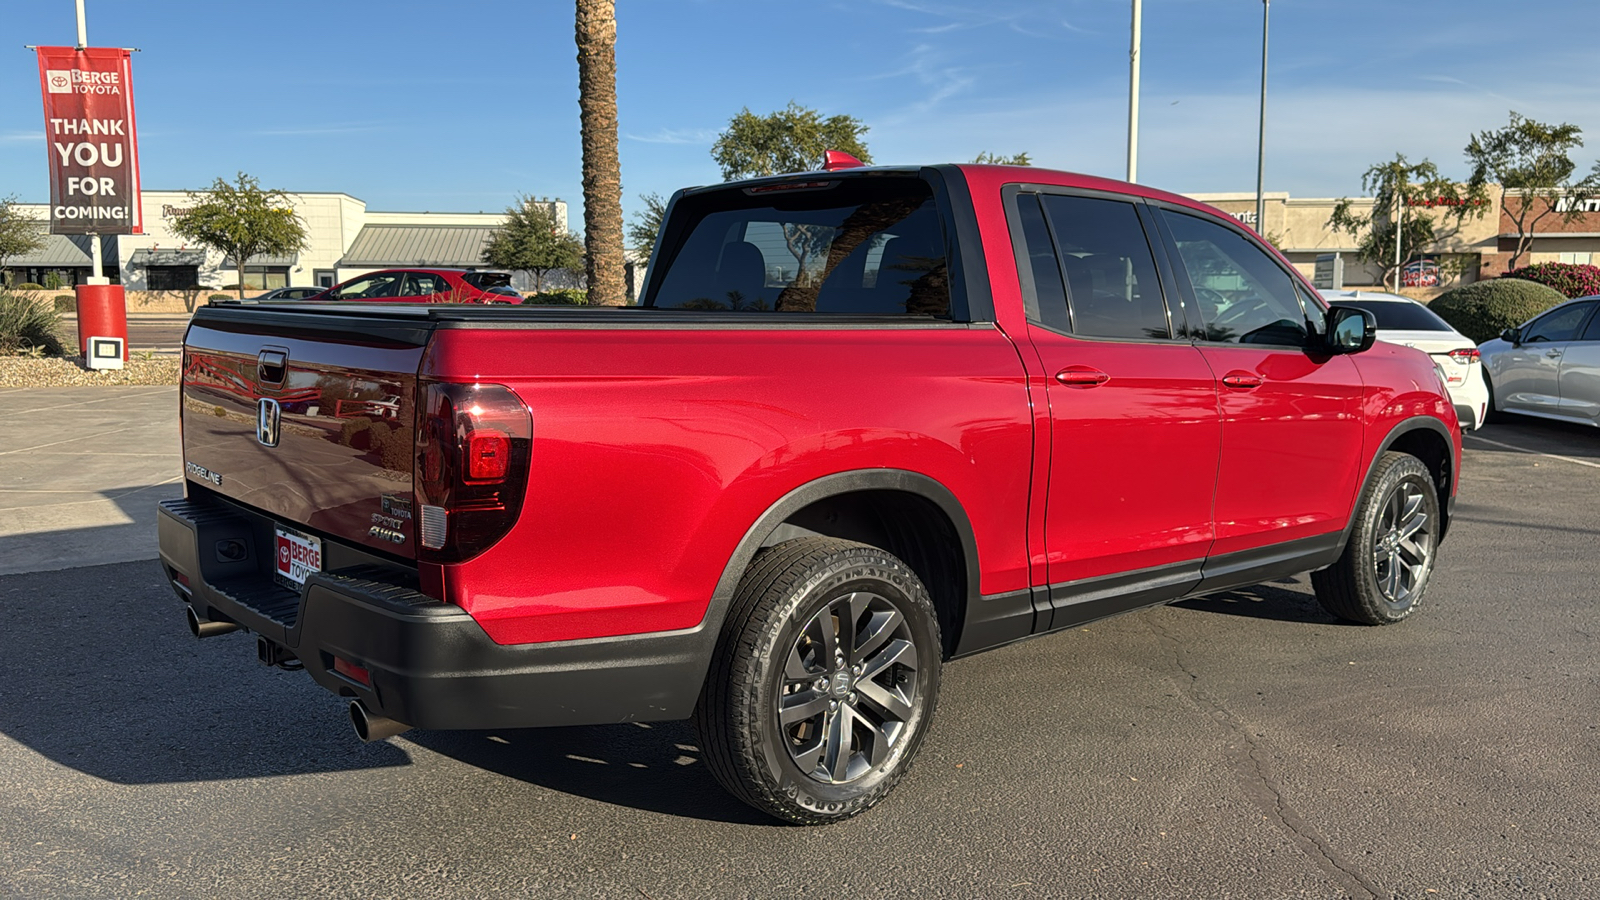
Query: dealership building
(344, 239)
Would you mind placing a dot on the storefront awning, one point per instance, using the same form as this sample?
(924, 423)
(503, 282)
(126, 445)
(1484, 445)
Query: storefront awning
(59, 251)
(382, 246)
(167, 258)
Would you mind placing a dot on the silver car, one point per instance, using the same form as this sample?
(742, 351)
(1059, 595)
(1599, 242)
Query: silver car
(1550, 366)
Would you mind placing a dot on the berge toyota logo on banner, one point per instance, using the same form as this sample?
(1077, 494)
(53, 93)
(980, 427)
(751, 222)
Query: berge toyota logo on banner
(93, 144)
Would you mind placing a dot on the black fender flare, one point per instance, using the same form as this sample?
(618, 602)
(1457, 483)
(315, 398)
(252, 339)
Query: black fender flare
(1401, 429)
(838, 483)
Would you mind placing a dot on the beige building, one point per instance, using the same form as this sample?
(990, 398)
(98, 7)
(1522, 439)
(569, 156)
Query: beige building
(345, 239)
(1298, 226)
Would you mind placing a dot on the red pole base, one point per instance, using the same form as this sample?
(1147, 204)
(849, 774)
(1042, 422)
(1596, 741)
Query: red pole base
(102, 312)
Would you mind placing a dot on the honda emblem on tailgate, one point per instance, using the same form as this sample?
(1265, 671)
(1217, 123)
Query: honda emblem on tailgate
(268, 417)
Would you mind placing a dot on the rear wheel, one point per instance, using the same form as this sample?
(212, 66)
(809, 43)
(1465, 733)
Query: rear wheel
(823, 683)
(1383, 574)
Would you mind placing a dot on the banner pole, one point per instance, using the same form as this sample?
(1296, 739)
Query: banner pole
(83, 28)
(96, 262)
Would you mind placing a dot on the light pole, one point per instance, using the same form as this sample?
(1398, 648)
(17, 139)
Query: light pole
(96, 260)
(1133, 96)
(1261, 137)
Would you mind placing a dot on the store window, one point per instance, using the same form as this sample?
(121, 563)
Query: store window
(171, 278)
(267, 277)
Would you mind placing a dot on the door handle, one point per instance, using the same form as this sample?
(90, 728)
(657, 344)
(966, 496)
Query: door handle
(1082, 377)
(1243, 381)
(1553, 354)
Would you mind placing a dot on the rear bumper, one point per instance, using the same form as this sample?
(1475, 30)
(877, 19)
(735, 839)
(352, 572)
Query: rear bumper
(430, 664)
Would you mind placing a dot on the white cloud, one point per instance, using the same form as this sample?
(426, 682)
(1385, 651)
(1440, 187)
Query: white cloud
(692, 136)
(18, 137)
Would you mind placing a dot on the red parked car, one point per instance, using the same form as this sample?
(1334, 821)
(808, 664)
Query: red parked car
(863, 422)
(425, 286)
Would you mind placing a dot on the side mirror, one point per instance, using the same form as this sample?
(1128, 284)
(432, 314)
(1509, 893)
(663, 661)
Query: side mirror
(1351, 330)
(1512, 336)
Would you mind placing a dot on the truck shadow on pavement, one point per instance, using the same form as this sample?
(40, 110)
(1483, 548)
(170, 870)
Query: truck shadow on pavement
(1274, 600)
(99, 673)
(655, 767)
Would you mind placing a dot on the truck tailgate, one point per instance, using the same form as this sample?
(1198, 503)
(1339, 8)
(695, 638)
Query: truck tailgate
(307, 417)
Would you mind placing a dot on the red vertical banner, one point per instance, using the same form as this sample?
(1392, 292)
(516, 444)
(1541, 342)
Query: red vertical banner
(93, 144)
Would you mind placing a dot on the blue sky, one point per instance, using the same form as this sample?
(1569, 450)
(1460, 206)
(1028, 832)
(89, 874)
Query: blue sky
(461, 106)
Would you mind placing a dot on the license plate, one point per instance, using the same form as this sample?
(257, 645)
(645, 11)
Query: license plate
(298, 556)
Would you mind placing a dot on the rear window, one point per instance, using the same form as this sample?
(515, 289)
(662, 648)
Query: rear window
(856, 246)
(486, 280)
(1397, 316)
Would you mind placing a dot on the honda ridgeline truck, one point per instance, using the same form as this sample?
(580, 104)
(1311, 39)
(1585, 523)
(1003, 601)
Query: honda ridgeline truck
(862, 422)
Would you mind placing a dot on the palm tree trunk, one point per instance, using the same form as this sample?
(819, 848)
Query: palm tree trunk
(602, 174)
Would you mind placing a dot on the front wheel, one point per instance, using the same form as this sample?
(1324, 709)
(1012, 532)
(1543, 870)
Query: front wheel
(824, 681)
(1383, 573)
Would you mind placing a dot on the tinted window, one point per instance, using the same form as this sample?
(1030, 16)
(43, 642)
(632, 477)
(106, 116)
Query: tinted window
(1042, 264)
(1561, 325)
(422, 284)
(372, 287)
(858, 246)
(486, 280)
(1592, 333)
(1399, 315)
(1243, 294)
(1112, 287)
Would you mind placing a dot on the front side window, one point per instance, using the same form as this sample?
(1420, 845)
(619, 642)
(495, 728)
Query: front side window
(1243, 295)
(861, 246)
(1561, 325)
(372, 287)
(1112, 288)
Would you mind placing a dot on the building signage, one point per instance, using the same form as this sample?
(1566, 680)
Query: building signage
(93, 145)
(1329, 272)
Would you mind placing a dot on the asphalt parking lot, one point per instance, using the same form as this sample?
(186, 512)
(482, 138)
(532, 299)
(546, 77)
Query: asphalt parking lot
(1244, 745)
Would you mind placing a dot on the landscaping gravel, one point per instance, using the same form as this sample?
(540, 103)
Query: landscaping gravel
(22, 371)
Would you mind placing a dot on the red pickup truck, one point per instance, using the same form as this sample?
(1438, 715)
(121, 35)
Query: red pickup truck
(863, 422)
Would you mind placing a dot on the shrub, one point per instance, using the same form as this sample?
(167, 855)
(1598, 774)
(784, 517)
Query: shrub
(561, 297)
(27, 327)
(66, 303)
(53, 281)
(30, 286)
(1568, 278)
(1483, 309)
(221, 297)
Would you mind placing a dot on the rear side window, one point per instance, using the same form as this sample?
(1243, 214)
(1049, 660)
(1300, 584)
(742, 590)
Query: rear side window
(1112, 288)
(1400, 316)
(1592, 333)
(1243, 295)
(859, 246)
(421, 284)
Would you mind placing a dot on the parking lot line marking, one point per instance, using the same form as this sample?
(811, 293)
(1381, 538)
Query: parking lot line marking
(1581, 462)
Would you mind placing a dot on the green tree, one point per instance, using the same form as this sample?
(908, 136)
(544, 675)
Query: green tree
(1395, 187)
(1531, 161)
(647, 223)
(995, 159)
(533, 241)
(242, 220)
(792, 139)
(602, 172)
(20, 233)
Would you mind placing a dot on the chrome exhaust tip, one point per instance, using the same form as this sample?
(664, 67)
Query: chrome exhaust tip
(370, 727)
(204, 628)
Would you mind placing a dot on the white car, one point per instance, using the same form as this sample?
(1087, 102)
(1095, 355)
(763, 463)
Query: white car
(1402, 320)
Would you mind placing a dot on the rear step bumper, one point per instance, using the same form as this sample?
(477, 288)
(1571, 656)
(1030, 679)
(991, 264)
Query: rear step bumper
(429, 664)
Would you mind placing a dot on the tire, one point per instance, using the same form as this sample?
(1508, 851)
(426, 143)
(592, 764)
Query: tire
(1383, 574)
(774, 715)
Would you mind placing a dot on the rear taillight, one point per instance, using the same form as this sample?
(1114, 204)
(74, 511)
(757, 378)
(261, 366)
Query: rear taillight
(472, 467)
(1465, 355)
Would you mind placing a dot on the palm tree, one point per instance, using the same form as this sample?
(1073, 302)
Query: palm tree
(602, 174)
